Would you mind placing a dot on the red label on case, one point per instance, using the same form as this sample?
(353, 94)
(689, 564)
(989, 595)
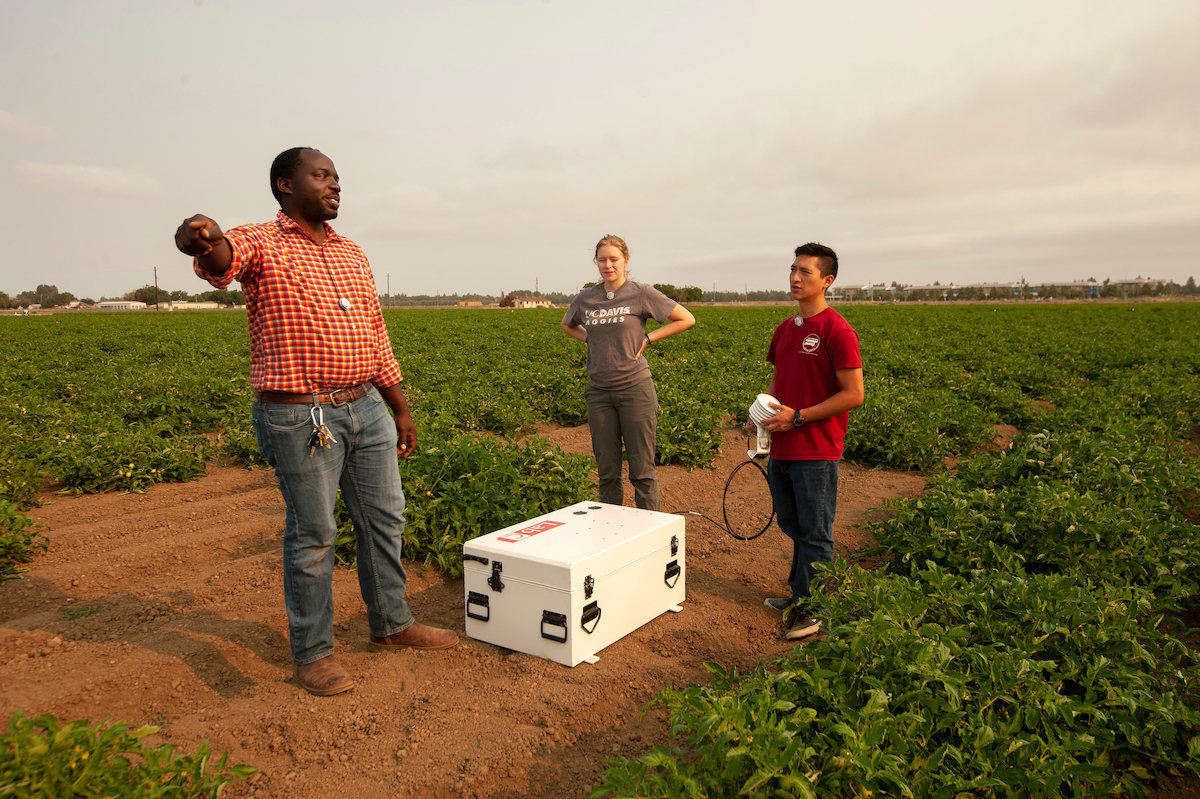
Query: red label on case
(528, 532)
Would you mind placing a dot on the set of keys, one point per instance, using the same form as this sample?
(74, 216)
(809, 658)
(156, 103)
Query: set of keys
(321, 437)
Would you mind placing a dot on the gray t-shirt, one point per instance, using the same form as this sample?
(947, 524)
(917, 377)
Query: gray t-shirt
(615, 329)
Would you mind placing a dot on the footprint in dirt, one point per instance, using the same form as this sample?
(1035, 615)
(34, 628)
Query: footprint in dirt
(158, 623)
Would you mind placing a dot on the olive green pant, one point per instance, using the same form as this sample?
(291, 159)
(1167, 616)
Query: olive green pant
(629, 415)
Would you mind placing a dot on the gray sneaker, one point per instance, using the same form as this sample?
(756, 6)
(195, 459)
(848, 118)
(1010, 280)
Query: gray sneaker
(778, 603)
(803, 625)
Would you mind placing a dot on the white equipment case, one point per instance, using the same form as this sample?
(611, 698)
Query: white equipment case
(567, 584)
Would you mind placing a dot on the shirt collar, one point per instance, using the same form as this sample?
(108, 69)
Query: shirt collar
(287, 223)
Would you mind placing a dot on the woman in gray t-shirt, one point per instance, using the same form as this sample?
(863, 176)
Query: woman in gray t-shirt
(622, 405)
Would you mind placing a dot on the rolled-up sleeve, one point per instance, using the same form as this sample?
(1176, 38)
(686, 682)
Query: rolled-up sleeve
(389, 367)
(244, 243)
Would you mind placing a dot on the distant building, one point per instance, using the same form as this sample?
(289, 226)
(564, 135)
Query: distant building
(531, 302)
(866, 291)
(1004, 290)
(470, 304)
(121, 305)
(184, 305)
(931, 292)
(1087, 288)
(1135, 285)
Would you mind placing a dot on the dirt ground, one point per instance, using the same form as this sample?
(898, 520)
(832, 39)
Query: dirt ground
(167, 608)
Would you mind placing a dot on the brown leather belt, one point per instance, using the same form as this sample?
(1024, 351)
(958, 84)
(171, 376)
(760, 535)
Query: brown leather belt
(339, 397)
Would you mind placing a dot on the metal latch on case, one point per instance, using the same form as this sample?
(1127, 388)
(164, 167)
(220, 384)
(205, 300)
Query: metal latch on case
(494, 581)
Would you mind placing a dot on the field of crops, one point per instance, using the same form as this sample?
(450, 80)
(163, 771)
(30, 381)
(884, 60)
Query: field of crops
(1022, 640)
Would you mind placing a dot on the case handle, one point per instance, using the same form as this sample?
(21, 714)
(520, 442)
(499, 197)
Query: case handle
(554, 620)
(476, 598)
(591, 612)
(672, 571)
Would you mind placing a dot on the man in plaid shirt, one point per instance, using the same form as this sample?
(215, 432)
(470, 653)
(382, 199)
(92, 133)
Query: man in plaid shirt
(323, 374)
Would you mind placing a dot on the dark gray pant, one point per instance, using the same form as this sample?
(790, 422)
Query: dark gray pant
(631, 415)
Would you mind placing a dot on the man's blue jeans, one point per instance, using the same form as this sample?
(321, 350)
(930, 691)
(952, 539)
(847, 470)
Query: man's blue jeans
(363, 464)
(805, 497)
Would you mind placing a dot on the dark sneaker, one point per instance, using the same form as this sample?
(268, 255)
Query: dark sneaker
(778, 603)
(803, 625)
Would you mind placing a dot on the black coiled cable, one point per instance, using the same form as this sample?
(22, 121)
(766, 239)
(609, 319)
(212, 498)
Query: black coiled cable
(727, 527)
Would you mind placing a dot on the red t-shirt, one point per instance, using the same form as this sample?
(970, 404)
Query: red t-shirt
(806, 360)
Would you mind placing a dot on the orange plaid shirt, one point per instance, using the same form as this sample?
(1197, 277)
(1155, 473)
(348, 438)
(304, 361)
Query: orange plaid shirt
(301, 340)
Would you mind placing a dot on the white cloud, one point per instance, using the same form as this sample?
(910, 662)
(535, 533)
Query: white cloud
(11, 123)
(94, 179)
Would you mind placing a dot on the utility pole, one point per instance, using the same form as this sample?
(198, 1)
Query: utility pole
(156, 288)
(389, 284)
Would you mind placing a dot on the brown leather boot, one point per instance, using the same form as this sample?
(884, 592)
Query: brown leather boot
(323, 677)
(418, 636)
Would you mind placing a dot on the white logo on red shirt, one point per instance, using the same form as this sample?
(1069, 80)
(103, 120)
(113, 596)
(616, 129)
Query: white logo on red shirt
(811, 342)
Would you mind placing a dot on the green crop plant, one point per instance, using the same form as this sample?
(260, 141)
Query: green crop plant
(70, 613)
(941, 685)
(20, 537)
(133, 400)
(457, 488)
(1022, 640)
(43, 759)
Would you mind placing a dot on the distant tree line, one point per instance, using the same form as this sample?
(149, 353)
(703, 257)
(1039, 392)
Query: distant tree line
(45, 296)
(147, 295)
(48, 296)
(1108, 290)
(747, 296)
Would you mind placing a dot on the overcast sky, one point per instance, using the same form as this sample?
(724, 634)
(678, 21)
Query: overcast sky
(484, 146)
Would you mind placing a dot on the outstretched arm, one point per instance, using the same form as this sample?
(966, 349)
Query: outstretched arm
(201, 237)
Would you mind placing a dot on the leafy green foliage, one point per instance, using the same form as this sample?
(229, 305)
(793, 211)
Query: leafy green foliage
(41, 758)
(18, 540)
(459, 489)
(941, 684)
(70, 613)
(1019, 643)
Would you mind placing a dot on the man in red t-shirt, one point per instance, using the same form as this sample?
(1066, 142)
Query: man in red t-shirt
(818, 379)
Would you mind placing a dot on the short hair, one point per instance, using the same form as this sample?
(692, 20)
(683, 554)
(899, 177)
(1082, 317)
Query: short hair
(825, 256)
(284, 166)
(614, 241)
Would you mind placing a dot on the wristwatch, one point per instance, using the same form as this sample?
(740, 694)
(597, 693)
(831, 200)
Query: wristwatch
(797, 419)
